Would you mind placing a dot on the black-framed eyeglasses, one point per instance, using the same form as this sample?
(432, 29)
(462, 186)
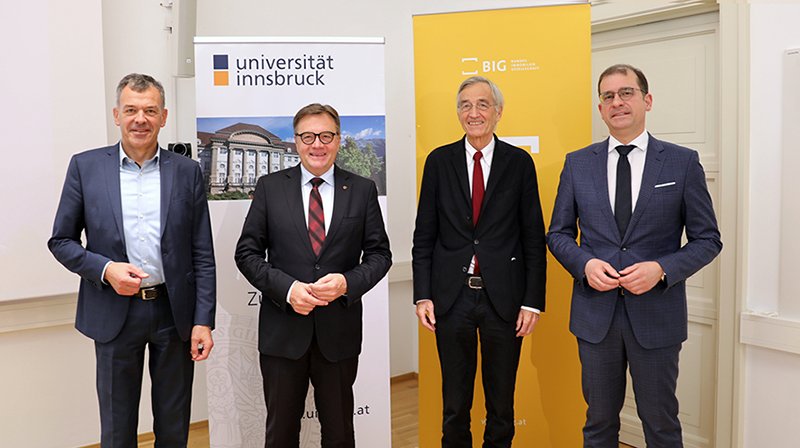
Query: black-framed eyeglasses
(624, 94)
(308, 138)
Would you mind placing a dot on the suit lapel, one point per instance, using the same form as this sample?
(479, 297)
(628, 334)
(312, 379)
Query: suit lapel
(654, 162)
(600, 178)
(341, 203)
(166, 168)
(293, 192)
(111, 171)
(458, 161)
(500, 161)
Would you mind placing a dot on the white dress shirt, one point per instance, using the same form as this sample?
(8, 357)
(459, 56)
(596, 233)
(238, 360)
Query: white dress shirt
(636, 158)
(326, 190)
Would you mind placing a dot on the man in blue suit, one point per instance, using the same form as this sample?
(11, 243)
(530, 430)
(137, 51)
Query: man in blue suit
(631, 197)
(147, 269)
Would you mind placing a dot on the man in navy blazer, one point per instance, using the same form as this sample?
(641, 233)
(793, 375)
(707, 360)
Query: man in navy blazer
(147, 267)
(313, 243)
(631, 197)
(479, 262)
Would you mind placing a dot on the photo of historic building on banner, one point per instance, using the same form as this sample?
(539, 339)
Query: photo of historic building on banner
(233, 158)
(235, 152)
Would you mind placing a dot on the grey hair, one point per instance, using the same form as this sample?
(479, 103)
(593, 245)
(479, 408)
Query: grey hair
(497, 95)
(139, 83)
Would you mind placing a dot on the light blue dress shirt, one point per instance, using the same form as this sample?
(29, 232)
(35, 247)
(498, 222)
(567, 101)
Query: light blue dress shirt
(140, 191)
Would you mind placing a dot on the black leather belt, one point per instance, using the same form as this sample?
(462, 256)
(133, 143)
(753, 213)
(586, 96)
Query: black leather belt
(474, 282)
(151, 292)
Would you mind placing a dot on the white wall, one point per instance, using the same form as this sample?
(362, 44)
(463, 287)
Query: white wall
(47, 379)
(771, 396)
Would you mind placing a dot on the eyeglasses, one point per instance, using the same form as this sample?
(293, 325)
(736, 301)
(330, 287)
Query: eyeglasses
(466, 106)
(308, 138)
(624, 94)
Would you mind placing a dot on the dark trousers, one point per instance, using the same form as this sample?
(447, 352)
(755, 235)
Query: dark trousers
(457, 333)
(120, 365)
(654, 373)
(285, 389)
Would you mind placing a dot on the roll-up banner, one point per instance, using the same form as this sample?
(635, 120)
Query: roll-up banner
(540, 57)
(248, 90)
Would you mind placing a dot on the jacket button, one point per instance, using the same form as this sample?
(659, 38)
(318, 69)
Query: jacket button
(476, 242)
(463, 269)
(624, 249)
(317, 267)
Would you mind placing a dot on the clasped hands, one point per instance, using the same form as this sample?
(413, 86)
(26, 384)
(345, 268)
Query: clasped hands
(637, 278)
(304, 297)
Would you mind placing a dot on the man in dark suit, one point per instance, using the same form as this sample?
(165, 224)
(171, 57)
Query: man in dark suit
(322, 232)
(631, 197)
(479, 263)
(147, 269)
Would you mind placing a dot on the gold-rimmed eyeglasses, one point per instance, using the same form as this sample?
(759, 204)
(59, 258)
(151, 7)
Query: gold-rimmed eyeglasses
(466, 106)
(624, 94)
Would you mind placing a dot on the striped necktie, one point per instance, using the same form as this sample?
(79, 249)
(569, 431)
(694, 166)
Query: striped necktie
(316, 217)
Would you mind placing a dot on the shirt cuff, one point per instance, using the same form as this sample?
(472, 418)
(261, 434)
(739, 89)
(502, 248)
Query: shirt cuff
(103, 274)
(423, 300)
(289, 293)
(531, 309)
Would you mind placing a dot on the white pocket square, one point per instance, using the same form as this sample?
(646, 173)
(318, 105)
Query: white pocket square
(665, 184)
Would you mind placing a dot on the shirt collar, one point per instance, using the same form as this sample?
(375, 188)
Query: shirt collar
(488, 151)
(306, 175)
(639, 142)
(123, 156)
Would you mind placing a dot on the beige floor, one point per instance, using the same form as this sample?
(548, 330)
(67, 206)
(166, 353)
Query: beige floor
(405, 414)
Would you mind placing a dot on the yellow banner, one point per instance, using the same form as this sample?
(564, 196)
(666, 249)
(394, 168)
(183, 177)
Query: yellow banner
(541, 59)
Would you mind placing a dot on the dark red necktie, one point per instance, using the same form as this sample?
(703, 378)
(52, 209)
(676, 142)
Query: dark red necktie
(477, 196)
(316, 217)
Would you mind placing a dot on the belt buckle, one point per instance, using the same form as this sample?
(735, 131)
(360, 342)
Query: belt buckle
(150, 293)
(475, 282)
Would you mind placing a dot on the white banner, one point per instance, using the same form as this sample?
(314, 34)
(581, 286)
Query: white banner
(248, 90)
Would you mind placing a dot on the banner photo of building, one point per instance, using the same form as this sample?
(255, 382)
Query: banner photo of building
(540, 57)
(248, 90)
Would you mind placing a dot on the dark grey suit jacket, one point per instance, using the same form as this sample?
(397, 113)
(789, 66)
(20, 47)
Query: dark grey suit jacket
(90, 203)
(356, 245)
(673, 198)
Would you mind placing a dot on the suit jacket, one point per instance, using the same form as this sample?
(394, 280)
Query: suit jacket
(673, 198)
(356, 245)
(508, 240)
(90, 203)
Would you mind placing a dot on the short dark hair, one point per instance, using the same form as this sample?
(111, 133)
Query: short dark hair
(139, 83)
(623, 69)
(318, 109)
